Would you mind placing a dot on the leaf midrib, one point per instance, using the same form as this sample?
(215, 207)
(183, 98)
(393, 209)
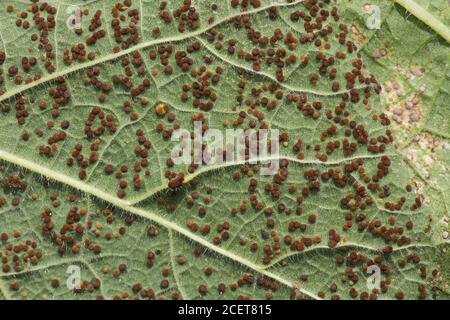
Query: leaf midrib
(122, 204)
(128, 206)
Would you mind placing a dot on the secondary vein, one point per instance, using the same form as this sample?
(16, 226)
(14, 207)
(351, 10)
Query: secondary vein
(423, 15)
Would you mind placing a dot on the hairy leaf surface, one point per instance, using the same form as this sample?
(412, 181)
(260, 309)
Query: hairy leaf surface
(88, 181)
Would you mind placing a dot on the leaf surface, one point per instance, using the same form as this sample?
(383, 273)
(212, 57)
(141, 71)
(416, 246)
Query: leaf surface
(85, 144)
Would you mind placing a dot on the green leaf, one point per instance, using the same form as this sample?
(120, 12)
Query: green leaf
(85, 150)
